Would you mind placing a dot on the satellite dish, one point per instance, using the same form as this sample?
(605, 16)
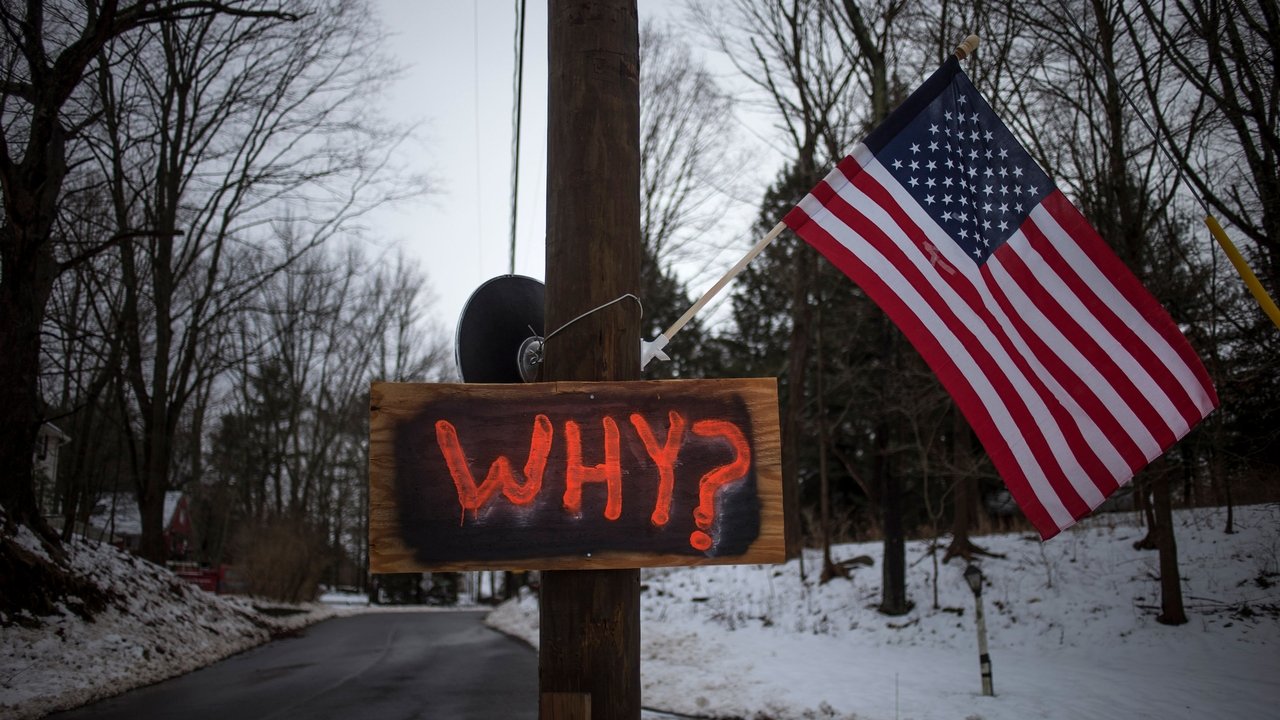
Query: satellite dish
(500, 332)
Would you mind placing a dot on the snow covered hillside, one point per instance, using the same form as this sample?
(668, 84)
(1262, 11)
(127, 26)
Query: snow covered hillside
(155, 626)
(1071, 624)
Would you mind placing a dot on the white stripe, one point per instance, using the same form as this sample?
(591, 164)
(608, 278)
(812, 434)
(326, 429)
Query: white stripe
(1051, 430)
(1066, 351)
(1101, 284)
(863, 250)
(1101, 444)
(1057, 290)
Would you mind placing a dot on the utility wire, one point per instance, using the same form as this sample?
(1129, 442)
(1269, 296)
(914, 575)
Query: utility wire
(515, 131)
(475, 116)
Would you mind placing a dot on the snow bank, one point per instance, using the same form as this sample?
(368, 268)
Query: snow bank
(155, 627)
(1071, 626)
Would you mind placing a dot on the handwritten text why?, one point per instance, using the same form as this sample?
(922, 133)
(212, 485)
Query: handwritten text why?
(664, 454)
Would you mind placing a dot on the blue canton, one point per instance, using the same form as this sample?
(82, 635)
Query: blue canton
(964, 167)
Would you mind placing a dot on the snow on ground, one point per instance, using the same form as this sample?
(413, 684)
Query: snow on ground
(1071, 623)
(156, 627)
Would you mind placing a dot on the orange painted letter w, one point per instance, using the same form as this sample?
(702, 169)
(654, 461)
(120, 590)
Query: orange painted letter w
(500, 474)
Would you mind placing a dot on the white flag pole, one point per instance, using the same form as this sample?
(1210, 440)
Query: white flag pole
(650, 349)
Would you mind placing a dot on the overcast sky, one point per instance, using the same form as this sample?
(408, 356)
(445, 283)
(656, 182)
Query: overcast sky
(458, 84)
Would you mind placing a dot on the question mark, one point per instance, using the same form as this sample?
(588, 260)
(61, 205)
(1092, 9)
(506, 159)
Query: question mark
(705, 514)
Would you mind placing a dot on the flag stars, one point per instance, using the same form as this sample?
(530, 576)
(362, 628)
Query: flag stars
(929, 182)
(931, 166)
(913, 182)
(929, 199)
(897, 164)
(915, 148)
(1017, 171)
(914, 165)
(933, 129)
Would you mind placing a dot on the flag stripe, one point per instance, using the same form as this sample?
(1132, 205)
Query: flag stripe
(1071, 334)
(1139, 313)
(1114, 340)
(1041, 462)
(973, 286)
(956, 299)
(986, 416)
(1116, 432)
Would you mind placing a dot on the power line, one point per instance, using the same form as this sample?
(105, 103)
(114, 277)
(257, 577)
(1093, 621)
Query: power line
(515, 132)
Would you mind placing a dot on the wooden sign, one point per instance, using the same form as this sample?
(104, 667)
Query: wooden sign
(574, 475)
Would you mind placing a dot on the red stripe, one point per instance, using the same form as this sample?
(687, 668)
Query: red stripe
(993, 369)
(1075, 225)
(1081, 449)
(1121, 439)
(929, 347)
(1103, 310)
(1064, 320)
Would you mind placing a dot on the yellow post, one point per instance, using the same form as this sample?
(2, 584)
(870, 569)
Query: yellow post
(1250, 280)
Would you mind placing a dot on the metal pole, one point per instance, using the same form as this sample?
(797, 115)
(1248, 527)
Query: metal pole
(984, 658)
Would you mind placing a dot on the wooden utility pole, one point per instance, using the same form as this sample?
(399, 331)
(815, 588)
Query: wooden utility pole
(590, 619)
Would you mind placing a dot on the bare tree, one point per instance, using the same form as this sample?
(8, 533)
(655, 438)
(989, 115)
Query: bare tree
(1222, 112)
(789, 51)
(46, 57)
(688, 171)
(222, 134)
(292, 443)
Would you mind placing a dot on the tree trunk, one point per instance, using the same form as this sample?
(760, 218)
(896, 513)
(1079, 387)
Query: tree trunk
(797, 364)
(26, 279)
(829, 568)
(1143, 504)
(893, 595)
(965, 498)
(1171, 611)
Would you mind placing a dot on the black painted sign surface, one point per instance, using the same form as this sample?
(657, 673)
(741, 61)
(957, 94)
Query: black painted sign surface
(574, 474)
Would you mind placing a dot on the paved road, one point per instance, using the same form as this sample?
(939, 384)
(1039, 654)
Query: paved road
(389, 666)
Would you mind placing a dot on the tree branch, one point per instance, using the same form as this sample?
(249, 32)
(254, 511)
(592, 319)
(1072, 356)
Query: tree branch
(113, 241)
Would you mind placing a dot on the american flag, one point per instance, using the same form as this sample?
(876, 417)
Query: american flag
(1070, 373)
